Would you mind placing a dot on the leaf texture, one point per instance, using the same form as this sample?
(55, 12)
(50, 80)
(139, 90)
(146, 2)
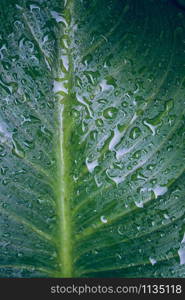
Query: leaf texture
(92, 133)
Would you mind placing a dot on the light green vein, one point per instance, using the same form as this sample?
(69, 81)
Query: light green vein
(127, 266)
(21, 220)
(65, 238)
(154, 175)
(28, 267)
(134, 238)
(91, 230)
(64, 187)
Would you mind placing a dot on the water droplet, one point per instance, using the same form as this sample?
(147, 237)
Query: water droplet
(139, 204)
(19, 254)
(137, 154)
(87, 59)
(97, 181)
(103, 219)
(57, 16)
(169, 105)
(159, 191)
(6, 65)
(118, 256)
(152, 260)
(4, 170)
(19, 7)
(82, 101)
(34, 7)
(116, 179)
(65, 61)
(91, 165)
(5, 181)
(29, 144)
(102, 101)
(135, 133)
(110, 113)
(93, 135)
(99, 122)
(30, 119)
(124, 104)
(183, 240)
(108, 84)
(1, 148)
(107, 61)
(92, 77)
(121, 152)
(181, 253)
(150, 167)
(150, 126)
(120, 230)
(116, 139)
(17, 150)
(166, 217)
(59, 86)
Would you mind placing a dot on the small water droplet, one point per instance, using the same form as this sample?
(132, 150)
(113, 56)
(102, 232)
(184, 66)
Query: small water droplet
(65, 62)
(87, 59)
(139, 204)
(99, 122)
(4, 170)
(110, 113)
(97, 181)
(17, 150)
(58, 17)
(183, 240)
(120, 230)
(116, 139)
(19, 254)
(84, 101)
(34, 7)
(135, 133)
(5, 181)
(29, 144)
(150, 126)
(150, 167)
(1, 148)
(166, 217)
(103, 219)
(108, 84)
(137, 154)
(152, 260)
(118, 256)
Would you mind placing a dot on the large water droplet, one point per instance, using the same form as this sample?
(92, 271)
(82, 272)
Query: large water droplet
(159, 191)
(181, 253)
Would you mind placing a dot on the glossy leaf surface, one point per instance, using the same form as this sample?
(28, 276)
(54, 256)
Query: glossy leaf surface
(92, 133)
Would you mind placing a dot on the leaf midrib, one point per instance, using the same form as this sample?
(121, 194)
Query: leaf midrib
(63, 201)
(64, 186)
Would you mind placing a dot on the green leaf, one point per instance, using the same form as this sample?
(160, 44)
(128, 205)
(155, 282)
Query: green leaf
(92, 133)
